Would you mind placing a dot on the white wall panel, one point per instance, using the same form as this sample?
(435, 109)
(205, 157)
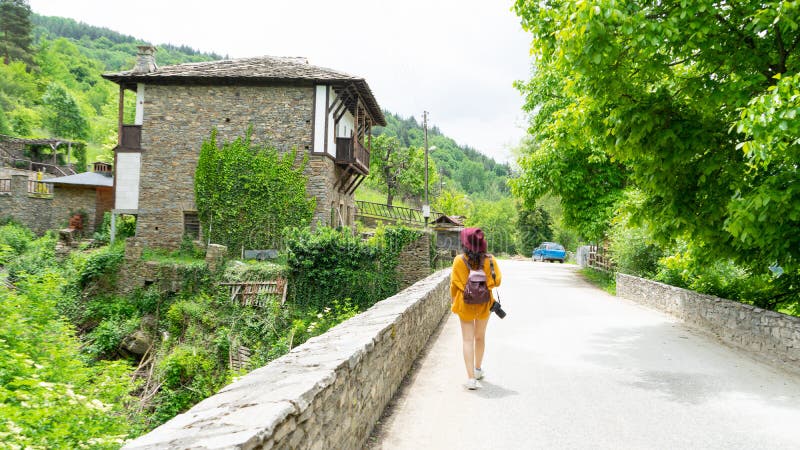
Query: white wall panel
(127, 180)
(320, 110)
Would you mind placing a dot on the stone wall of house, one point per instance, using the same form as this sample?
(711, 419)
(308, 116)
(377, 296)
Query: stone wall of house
(178, 118)
(327, 393)
(47, 212)
(68, 200)
(31, 210)
(415, 260)
(322, 177)
(768, 334)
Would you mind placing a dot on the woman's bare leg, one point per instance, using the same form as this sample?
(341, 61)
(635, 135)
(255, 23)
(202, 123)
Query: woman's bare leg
(468, 339)
(480, 341)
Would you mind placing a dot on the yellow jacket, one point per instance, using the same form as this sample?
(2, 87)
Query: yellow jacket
(458, 279)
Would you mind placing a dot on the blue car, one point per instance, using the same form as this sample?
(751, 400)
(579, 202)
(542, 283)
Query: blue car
(549, 251)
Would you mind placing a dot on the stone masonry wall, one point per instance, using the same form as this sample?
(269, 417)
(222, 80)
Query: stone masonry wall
(176, 121)
(415, 261)
(71, 200)
(44, 212)
(769, 334)
(322, 176)
(31, 210)
(325, 394)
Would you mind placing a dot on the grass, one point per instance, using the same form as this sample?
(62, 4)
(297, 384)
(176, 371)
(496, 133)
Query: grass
(163, 256)
(370, 194)
(603, 280)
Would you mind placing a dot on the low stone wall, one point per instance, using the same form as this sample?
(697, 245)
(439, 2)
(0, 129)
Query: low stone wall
(769, 334)
(327, 393)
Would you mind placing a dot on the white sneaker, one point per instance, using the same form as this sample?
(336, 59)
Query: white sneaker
(472, 384)
(479, 374)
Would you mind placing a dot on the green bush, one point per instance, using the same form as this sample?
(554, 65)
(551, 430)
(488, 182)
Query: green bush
(125, 224)
(38, 258)
(103, 262)
(50, 397)
(253, 271)
(105, 339)
(720, 278)
(330, 264)
(7, 253)
(189, 374)
(632, 250)
(16, 236)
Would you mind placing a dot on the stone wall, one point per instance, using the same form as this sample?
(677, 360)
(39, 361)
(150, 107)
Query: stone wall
(178, 118)
(415, 260)
(47, 212)
(136, 273)
(31, 210)
(68, 200)
(769, 334)
(325, 394)
(322, 177)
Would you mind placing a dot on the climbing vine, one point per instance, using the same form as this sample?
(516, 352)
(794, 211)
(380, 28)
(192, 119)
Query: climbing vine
(246, 195)
(329, 264)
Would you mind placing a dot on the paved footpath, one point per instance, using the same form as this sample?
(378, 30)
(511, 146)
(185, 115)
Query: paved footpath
(572, 367)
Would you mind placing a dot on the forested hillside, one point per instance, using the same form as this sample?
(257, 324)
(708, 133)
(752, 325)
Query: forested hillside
(52, 87)
(474, 172)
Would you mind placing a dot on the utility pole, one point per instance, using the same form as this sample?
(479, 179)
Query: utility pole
(426, 208)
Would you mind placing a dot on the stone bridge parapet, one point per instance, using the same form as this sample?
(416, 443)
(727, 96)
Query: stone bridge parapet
(327, 393)
(767, 334)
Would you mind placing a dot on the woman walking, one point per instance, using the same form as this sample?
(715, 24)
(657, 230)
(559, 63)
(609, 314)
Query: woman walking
(473, 311)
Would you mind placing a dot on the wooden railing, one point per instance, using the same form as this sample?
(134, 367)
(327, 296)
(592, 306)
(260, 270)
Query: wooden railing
(5, 185)
(35, 166)
(131, 138)
(393, 213)
(40, 187)
(350, 151)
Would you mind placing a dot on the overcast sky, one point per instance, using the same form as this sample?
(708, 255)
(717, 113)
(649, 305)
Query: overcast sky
(456, 59)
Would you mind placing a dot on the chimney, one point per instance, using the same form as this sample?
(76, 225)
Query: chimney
(102, 168)
(145, 59)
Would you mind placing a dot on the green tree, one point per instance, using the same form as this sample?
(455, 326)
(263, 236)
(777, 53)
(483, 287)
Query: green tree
(764, 215)
(15, 31)
(453, 203)
(534, 227)
(655, 90)
(246, 195)
(64, 118)
(399, 170)
(497, 219)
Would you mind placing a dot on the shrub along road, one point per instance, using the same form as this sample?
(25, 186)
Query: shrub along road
(574, 367)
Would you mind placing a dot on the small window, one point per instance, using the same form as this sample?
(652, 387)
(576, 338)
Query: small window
(191, 224)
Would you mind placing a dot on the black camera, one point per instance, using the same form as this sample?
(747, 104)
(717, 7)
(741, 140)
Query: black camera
(498, 309)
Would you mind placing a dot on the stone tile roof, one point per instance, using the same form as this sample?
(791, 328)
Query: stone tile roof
(270, 69)
(84, 179)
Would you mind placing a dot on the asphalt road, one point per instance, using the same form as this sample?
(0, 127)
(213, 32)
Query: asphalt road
(572, 367)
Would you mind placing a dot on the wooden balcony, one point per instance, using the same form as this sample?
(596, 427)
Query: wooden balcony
(350, 153)
(131, 138)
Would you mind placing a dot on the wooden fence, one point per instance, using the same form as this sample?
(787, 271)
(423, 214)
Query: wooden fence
(599, 257)
(257, 293)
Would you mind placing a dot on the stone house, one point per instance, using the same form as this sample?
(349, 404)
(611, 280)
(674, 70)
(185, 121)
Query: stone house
(49, 203)
(326, 114)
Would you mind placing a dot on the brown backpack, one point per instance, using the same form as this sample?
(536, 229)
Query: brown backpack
(476, 291)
